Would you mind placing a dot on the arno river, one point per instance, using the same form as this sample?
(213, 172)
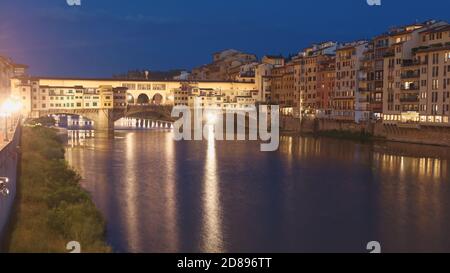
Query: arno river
(312, 195)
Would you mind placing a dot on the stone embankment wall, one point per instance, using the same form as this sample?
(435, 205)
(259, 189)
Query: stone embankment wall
(432, 135)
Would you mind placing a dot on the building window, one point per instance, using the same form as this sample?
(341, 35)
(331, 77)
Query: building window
(436, 58)
(435, 71)
(144, 86)
(435, 85)
(130, 86)
(434, 97)
(159, 87)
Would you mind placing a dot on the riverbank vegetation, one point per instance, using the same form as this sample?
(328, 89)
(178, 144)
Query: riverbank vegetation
(51, 207)
(42, 121)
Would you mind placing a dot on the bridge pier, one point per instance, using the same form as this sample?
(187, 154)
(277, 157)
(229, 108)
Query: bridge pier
(104, 123)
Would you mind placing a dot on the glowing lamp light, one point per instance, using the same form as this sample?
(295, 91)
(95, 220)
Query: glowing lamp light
(7, 107)
(211, 118)
(11, 106)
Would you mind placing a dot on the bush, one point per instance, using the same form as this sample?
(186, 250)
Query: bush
(45, 121)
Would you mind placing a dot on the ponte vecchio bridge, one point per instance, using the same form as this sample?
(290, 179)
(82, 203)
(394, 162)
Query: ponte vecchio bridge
(105, 101)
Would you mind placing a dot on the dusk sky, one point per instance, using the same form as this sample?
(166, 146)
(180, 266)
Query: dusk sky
(103, 37)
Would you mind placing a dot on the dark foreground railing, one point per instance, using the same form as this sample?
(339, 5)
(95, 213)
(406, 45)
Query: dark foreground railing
(9, 158)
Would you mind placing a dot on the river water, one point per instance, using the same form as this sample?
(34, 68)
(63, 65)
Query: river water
(312, 195)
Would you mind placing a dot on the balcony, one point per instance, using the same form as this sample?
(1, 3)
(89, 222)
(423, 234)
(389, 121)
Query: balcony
(431, 47)
(409, 99)
(379, 66)
(381, 44)
(376, 106)
(390, 53)
(409, 63)
(363, 100)
(366, 67)
(410, 75)
(379, 84)
(411, 87)
(367, 58)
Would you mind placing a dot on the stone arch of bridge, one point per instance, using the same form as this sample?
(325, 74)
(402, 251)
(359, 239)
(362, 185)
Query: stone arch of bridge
(143, 99)
(130, 98)
(87, 115)
(155, 97)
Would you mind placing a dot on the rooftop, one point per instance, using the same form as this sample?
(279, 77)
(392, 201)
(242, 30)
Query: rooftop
(351, 45)
(126, 80)
(440, 28)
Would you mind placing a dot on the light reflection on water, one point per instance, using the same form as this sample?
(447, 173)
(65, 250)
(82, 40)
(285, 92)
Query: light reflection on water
(79, 137)
(212, 237)
(131, 191)
(313, 195)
